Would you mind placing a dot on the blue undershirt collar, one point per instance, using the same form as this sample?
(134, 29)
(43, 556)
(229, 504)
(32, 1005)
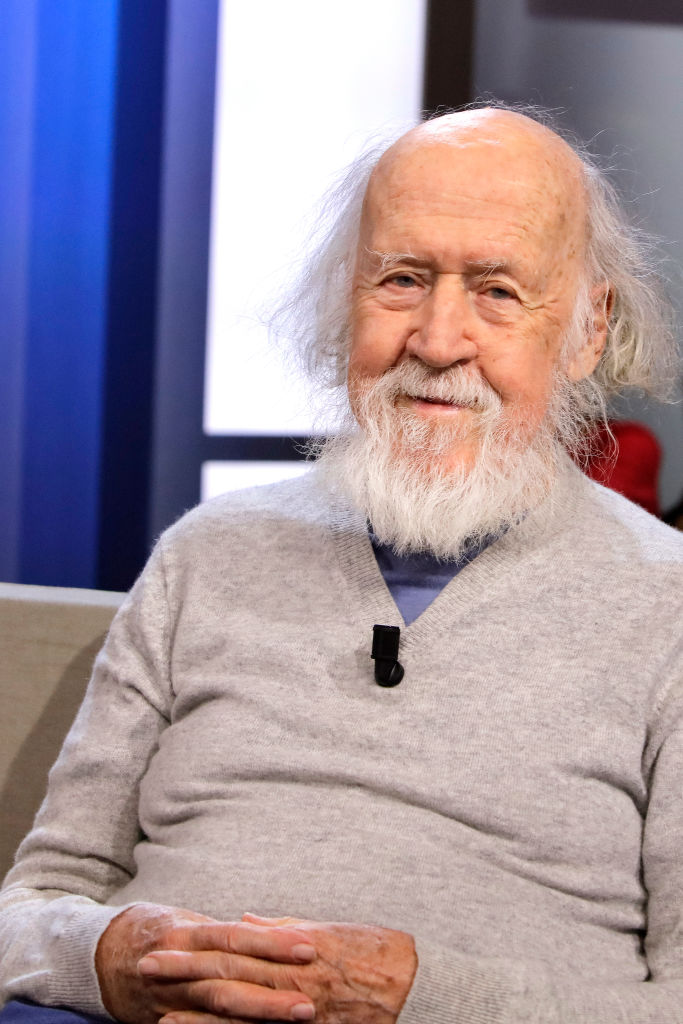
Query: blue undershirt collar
(415, 580)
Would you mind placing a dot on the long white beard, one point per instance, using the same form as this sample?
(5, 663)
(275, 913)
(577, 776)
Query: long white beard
(393, 467)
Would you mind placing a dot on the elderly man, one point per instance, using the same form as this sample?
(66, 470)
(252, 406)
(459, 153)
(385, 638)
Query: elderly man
(503, 827)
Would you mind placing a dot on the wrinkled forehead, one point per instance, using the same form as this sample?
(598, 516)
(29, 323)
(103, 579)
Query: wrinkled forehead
(484, 157)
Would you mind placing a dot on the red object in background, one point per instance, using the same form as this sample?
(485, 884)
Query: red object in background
(634, 470)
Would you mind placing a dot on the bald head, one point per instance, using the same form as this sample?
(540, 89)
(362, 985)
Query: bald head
(497, 125)
(501, 133)
(509, 153)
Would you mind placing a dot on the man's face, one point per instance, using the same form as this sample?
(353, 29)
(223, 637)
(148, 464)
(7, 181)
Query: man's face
(470, 257)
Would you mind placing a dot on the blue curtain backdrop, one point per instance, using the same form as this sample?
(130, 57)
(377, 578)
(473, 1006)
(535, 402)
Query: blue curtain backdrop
(17, 65)
(81, 95)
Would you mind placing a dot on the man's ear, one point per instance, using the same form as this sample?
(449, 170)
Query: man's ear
(584, 361)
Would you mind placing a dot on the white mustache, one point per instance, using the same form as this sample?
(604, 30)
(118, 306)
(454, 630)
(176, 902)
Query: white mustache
(450, 385)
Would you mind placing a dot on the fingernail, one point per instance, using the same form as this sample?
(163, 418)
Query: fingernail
(304, 951)
(148, 965)
(303, 1011)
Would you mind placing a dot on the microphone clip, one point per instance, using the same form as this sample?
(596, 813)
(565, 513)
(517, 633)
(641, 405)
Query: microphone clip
(385, 641)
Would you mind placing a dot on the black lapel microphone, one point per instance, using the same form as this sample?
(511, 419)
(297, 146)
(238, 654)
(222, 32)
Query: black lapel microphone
(388, 669)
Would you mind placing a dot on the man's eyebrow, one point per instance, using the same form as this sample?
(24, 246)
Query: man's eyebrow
(387, 260)
(475, 267)
(486, 267)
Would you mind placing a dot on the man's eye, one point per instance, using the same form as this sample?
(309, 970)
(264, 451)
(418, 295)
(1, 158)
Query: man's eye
(402, 280)
(498, 292)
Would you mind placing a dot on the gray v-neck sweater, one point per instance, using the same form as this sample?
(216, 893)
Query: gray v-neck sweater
(516, 803)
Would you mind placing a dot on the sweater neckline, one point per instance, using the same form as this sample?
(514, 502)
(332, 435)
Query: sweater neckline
(527, 542)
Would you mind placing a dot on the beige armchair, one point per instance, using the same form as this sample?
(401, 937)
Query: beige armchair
(49, 637)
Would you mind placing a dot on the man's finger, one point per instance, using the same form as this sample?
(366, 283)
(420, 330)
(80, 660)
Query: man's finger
(195, 1017)
(243, 999)
(270, 922)
(178, 965)
(284, 945)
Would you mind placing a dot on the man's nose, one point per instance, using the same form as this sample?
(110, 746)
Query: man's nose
(444, 331)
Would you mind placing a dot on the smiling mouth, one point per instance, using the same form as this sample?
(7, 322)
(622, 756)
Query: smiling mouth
(437, 401)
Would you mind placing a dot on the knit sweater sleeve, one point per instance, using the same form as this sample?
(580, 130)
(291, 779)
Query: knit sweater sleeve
(456, 989)
(52, 907)
(453, 988)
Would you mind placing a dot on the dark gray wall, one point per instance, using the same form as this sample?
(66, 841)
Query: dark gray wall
(619, 84)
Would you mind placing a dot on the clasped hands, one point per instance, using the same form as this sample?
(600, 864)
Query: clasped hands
(162, 964)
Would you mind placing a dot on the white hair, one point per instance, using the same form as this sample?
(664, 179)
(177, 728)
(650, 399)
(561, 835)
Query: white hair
(640, 351)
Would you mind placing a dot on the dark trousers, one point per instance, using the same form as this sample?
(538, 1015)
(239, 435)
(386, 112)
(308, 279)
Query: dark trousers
(20, 1011)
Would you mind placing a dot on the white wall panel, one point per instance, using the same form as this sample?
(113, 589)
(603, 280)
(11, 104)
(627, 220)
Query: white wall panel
(301, 86)
(219, 477)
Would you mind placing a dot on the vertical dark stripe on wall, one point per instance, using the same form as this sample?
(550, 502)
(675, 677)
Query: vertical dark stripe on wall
(184, 259)
(448, 60)
(129, 383)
